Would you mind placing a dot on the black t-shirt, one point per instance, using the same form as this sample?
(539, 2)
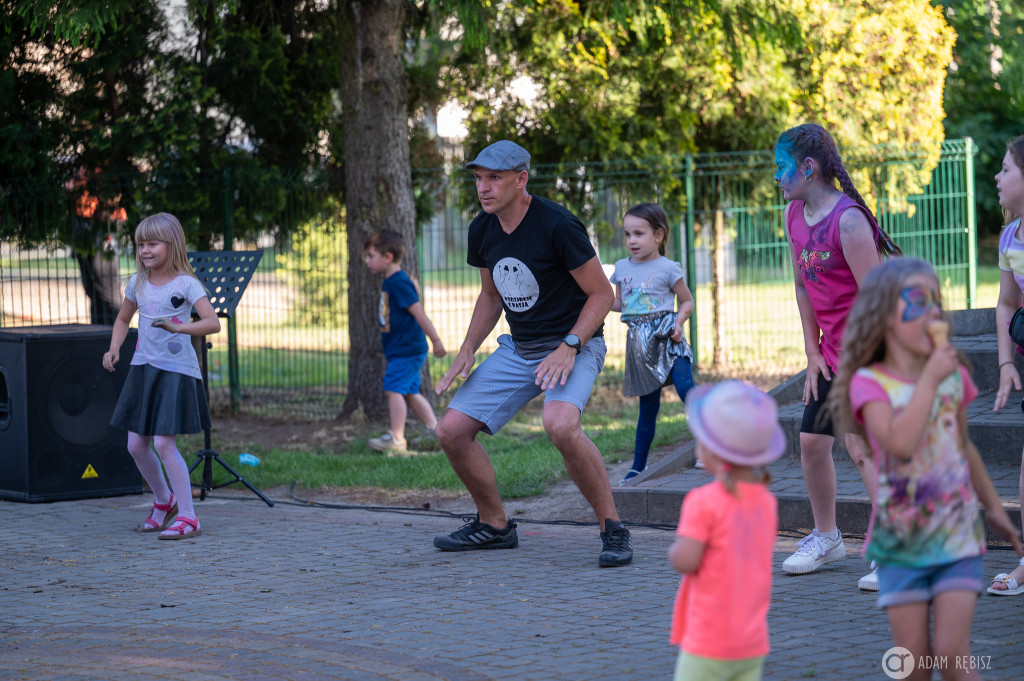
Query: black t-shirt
(531, 268)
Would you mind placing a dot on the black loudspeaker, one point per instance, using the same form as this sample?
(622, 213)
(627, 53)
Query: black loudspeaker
(56, 399)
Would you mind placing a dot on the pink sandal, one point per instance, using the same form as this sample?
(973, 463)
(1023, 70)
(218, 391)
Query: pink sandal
(180, 528)
(170, 509)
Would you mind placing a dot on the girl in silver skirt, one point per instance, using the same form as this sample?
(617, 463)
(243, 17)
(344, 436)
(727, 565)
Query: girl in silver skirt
(647, 285)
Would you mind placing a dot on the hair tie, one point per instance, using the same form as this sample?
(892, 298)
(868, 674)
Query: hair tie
(1002, 364)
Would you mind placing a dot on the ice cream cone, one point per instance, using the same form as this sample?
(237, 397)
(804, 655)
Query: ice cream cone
(939, 331)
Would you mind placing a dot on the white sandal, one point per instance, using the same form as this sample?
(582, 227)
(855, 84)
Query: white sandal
(1012, 587)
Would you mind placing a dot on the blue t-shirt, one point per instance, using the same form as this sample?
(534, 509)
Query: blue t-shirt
(531, 268)
(399, 331)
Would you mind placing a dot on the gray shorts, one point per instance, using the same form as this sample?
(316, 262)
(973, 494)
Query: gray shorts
(504, 382)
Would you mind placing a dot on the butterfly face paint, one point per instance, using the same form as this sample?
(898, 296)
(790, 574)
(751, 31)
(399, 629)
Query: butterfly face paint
(919, 300)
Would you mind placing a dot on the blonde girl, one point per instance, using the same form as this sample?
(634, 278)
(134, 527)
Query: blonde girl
(903, 386)
(726, 535)
(163, 395)
(1010, 184)
(647, 285)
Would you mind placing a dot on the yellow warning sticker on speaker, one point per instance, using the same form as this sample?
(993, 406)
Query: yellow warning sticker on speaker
(90, 472)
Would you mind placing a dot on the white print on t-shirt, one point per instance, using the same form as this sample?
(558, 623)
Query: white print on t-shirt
(516, 284)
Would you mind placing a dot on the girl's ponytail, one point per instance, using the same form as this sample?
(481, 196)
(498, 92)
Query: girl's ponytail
(885, 244)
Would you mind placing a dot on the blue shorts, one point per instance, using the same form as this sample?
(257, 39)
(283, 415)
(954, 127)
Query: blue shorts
(901, 585)
(402, 375)
(502, 385)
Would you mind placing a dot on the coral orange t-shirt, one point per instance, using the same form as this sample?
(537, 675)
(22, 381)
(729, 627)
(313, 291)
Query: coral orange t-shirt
(721, 610)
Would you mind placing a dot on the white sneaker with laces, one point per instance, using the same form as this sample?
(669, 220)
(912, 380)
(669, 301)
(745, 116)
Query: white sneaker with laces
(813, 551)
(387, 443)
(869, 582)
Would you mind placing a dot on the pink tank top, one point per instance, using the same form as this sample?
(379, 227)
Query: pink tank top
(818, 252)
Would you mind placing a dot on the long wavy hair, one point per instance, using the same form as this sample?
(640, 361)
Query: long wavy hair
(864, 337)
(655, 217)
(162, 227)
(810, 140)
(1016, 149)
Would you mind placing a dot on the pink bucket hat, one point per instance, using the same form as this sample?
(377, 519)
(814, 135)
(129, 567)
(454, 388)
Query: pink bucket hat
(737, 422)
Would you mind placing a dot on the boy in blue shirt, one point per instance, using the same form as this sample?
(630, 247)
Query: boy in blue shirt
(404, 328)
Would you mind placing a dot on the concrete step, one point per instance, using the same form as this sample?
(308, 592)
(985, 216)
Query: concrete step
(999, 437)
(656, 496)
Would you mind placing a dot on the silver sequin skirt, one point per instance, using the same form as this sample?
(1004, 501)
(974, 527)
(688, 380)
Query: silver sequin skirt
(650, 352)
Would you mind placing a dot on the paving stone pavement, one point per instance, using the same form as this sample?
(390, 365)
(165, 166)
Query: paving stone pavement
(302, 593)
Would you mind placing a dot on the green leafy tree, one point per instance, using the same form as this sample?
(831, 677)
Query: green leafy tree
(984, 95)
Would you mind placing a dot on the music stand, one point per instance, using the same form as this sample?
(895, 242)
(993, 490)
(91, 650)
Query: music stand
(225, 274)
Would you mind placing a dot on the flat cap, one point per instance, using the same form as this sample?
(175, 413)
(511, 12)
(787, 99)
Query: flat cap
(503, 155)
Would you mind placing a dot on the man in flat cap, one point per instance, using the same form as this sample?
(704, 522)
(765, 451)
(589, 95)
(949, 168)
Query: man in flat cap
(537, 264)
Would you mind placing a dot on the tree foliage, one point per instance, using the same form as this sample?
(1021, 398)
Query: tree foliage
(984, 96)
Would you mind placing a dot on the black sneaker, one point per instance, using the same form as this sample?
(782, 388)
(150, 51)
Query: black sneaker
(616, 546)
(477, 535)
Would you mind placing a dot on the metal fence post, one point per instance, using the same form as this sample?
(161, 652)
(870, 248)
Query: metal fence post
(691, 257)
(972, 228)
(228, 218)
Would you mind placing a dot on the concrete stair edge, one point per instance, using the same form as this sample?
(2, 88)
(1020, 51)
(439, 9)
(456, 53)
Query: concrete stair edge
(661, 507)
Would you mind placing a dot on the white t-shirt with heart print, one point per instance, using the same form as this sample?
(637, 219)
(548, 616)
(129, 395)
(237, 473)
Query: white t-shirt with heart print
(173, 300)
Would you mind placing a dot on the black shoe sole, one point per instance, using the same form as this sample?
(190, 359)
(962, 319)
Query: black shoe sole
(614, 562)
(440, 543)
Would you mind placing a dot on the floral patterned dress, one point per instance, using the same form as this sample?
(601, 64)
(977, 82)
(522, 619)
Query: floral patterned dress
(926, 513)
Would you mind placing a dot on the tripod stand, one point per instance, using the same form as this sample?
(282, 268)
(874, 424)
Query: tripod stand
(225, 275)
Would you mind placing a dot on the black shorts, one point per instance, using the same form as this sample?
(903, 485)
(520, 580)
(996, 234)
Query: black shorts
(817, 419)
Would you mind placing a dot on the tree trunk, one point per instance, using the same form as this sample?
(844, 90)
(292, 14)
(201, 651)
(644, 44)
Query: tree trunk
(378, 179)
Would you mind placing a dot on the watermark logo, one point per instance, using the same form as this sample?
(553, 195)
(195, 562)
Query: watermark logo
(898, 663)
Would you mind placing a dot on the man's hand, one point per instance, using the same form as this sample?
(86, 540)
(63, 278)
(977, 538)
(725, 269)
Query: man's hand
(556, 367)
(461, 366)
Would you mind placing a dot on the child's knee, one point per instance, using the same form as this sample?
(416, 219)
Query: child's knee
(165, 446)
(138, 447)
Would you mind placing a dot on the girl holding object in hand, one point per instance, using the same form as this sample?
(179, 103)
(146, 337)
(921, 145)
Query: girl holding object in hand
(163, 395)
(903, 386)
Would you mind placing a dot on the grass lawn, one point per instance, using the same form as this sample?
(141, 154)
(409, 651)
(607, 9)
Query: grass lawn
(524, 459)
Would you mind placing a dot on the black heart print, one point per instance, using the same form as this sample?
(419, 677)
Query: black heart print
(177, 301)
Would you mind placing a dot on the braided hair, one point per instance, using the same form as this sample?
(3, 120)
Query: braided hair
(810, 140)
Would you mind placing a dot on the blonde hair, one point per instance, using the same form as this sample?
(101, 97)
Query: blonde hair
(761, 475)
(166, 228)
(864, 337)
(729, 479)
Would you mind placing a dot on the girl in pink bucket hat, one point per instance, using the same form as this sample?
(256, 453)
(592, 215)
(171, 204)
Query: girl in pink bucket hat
(726, 536)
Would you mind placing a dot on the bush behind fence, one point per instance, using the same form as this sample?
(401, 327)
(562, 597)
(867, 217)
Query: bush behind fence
(291, 326)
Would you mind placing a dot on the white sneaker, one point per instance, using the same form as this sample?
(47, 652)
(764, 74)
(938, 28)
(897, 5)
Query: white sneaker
(386, 443)
(869, 582)
(813, 551)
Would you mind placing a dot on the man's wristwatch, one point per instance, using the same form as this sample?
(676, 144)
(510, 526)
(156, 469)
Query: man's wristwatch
(573, 341)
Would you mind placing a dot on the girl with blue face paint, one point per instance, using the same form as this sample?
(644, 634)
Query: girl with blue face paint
(834, 241)
(905, 388)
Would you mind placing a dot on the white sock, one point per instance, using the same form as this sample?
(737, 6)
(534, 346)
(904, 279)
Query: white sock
(177, 473)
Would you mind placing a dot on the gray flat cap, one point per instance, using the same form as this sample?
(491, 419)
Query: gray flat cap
(503, 155)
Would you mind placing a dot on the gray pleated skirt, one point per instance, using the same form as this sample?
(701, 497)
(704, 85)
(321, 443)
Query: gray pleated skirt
(158, 402)
(651, 353)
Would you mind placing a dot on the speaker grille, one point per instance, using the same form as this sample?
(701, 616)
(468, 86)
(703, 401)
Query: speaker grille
(59, 443)
(79, 399)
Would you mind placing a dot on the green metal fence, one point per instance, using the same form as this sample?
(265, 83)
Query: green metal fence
(291, 326)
